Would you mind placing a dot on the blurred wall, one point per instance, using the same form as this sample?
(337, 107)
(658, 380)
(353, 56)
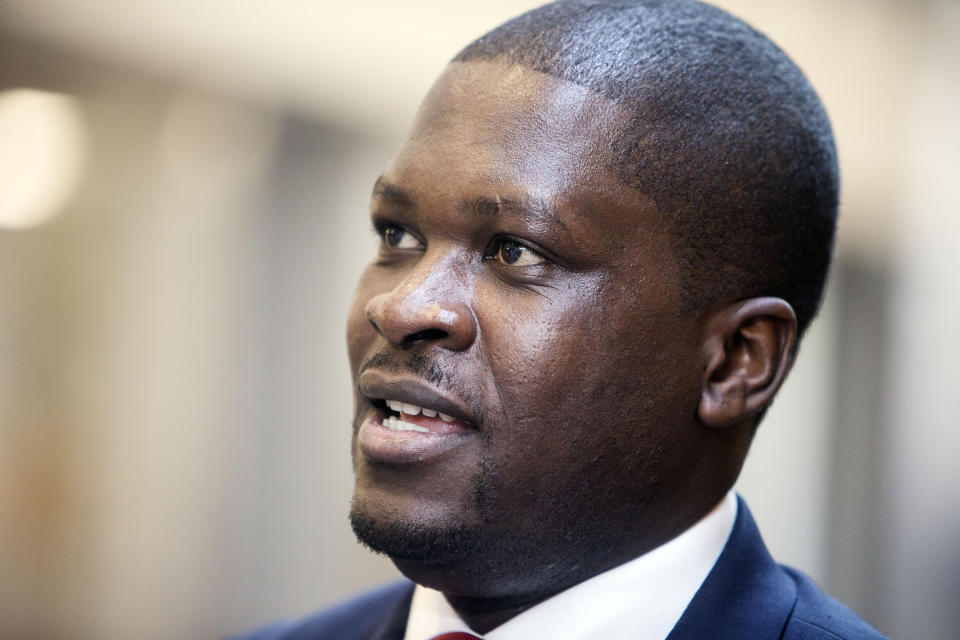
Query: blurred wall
(174, 402)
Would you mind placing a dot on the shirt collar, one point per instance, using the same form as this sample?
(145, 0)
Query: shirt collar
(641, 599)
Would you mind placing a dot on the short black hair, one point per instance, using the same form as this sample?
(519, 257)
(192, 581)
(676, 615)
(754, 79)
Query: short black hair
(726, 136)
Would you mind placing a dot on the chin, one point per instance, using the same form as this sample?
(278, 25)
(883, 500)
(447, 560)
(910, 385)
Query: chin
(460, 560)
(409, 540)
(452, 558)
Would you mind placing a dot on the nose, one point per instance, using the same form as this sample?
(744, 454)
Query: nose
(429, 306)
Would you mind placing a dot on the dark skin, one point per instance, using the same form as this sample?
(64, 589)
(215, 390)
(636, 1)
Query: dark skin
(522, 289)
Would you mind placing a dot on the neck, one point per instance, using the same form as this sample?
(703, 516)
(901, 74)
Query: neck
(484, 615)
(484, 609)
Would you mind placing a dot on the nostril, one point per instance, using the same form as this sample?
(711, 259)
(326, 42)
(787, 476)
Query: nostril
(424, 336)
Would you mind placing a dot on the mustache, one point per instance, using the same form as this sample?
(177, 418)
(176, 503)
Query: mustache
(413, 363)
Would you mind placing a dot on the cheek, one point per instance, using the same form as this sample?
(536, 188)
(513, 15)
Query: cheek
(550, 357)
(569, 348)
(579, 381)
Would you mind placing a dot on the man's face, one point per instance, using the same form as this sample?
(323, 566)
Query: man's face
(524, 292)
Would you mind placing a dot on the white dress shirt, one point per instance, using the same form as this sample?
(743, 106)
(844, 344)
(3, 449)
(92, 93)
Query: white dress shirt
(640, 600)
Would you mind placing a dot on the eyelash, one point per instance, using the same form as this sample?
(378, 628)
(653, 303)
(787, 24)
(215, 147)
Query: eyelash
(382, 229)
(496, 246)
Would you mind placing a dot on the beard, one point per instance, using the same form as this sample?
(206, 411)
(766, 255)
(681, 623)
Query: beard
(481, 555)
(508, 540)
(407, 541)
(466, 561)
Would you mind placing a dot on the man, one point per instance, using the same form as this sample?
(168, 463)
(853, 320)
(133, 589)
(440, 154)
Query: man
(600, 245)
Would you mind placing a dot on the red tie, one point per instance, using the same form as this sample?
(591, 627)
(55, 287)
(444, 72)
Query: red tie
(455, 635)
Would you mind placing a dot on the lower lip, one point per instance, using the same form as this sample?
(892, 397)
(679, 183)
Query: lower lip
(380, 444)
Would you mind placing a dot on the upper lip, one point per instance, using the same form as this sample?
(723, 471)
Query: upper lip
(377, 385)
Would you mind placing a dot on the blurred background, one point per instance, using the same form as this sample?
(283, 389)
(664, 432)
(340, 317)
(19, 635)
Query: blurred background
(182, 219)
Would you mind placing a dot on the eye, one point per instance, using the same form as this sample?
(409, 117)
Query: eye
(396, 237)
(514, 254)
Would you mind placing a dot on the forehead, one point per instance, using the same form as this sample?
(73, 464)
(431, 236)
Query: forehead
(509, 121)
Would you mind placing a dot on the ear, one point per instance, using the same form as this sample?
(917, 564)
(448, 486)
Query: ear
(749, 349)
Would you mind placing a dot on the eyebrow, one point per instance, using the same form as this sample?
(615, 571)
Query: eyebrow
(396, 195)
(535, 209)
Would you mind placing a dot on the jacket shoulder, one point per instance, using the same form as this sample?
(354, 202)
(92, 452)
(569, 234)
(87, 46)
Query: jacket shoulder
(748, 595)
(818, 616)
(352, 619)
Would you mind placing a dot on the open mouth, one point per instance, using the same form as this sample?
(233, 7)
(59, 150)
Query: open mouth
(402, 416)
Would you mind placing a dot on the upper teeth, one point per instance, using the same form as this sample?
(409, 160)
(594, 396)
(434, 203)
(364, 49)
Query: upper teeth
(414, 410)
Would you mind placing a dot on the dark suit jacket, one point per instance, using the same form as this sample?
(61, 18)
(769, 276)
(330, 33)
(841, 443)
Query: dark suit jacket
(746, 596)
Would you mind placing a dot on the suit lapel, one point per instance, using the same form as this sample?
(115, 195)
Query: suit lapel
(393, 624)
(746, 594)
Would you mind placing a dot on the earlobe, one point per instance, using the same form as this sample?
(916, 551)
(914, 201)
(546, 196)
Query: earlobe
(748, 350)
